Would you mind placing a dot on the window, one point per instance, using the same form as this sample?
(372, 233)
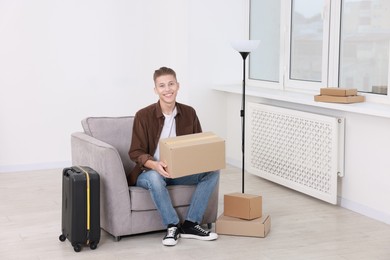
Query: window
(306, 40)
(364, 45)
(308, 44)
(264, 62)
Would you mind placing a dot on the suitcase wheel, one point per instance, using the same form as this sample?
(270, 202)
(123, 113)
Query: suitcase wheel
(62, 238)
(93, 245)
(77, 248)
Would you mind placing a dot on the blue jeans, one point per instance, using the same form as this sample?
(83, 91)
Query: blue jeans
(157, 185)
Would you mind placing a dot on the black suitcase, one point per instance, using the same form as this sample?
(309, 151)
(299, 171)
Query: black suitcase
(80, 207)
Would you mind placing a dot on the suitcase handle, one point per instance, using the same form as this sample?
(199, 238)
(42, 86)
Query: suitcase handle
(88, 202)
(76, 169)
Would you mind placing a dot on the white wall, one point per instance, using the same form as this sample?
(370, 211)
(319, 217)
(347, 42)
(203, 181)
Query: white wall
(61, 61)
(213, 61)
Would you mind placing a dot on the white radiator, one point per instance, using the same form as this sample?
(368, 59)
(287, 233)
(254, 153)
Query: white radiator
(300, 150)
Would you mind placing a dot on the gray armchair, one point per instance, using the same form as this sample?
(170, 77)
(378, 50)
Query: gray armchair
(124, 210)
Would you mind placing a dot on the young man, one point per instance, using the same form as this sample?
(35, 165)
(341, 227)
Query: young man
(168, 118)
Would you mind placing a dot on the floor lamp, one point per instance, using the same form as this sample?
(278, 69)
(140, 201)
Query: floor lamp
(244, 48)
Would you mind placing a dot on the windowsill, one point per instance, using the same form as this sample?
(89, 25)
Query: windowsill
(365, 108)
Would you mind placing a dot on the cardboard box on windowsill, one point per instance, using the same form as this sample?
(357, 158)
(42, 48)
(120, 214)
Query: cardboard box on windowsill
(259, 227)
(340, 92)
(242, 205)
(192, 154)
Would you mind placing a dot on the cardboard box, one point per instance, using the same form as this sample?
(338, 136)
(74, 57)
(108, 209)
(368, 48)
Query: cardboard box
(335, 99)
(259, 227)
(341, 92)
(192, 154)
(241, 205)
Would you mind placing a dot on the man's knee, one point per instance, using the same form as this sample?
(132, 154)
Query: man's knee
(211, 176)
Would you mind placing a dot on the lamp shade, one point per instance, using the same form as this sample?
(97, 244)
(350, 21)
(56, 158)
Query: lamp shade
(245, 45)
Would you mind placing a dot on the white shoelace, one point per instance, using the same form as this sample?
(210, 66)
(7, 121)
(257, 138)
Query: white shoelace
(171, 231)
(199, 228)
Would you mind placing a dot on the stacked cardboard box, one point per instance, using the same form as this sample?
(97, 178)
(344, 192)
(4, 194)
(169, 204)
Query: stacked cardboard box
(339, 95)
(243, 216)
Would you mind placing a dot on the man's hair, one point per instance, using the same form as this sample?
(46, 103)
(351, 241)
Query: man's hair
(163, 71)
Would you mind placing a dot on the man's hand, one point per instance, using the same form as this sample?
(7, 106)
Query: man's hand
(159, 167)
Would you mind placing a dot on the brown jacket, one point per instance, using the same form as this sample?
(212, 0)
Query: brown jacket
(148, 124)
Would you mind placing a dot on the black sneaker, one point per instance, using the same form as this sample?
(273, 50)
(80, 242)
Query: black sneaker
(171, 237)
(197, 232)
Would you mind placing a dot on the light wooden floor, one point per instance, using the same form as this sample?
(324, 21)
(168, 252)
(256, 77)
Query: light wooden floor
(302, 227)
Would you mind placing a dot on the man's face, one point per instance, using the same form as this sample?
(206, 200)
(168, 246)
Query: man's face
(166, 88)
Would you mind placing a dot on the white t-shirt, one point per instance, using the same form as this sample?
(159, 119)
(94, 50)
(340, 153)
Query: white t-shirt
(169, 130)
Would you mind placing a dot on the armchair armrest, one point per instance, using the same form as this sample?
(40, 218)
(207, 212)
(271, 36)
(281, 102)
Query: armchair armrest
(105, 159)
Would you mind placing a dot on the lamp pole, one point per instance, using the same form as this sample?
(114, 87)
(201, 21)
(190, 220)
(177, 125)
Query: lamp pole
(244, 48)
(242, 114)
